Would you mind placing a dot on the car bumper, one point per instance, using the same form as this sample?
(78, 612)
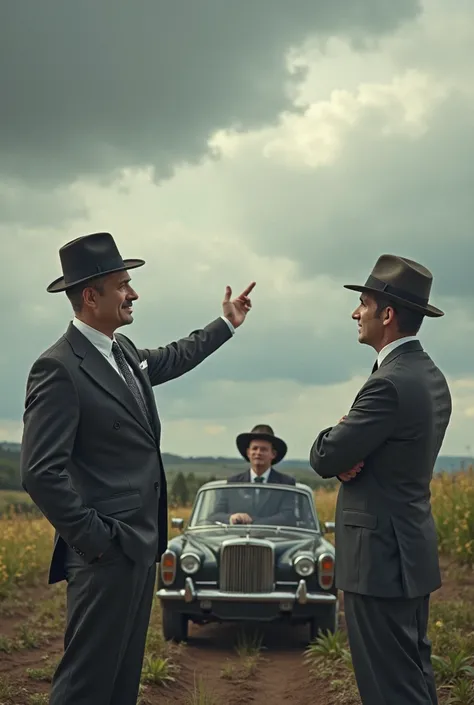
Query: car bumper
(190, 594)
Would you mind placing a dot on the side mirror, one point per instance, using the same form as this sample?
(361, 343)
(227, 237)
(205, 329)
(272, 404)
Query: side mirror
(329, 527)
(177, 523)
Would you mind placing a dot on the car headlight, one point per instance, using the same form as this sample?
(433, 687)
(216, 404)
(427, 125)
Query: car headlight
(304, 565)
(190, 563)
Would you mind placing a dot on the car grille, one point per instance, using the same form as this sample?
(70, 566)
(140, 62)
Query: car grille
(246, 567)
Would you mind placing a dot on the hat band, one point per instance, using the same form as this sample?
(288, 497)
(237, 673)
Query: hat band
(94, 270)
(374, 283)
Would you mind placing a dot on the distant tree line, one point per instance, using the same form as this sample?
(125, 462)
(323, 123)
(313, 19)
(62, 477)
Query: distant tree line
(183, 481)
(183, 488)
(9, 470)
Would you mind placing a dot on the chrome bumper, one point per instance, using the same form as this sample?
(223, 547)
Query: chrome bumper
(301, 596)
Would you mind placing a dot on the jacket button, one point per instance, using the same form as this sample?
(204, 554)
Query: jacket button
(156, 485)
(117, 425)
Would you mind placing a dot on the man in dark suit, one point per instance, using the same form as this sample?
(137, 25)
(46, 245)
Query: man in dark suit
(263, 450)
(384, 452)
(91, 461)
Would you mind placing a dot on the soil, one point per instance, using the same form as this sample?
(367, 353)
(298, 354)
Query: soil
(280, 675)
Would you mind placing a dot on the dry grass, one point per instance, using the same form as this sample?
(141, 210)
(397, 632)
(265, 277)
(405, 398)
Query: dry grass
(26, 541)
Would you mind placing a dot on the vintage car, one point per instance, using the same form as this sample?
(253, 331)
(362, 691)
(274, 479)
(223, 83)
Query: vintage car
(278, 567)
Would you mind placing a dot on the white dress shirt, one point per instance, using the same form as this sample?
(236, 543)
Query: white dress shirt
(265, 475)
(392, 346)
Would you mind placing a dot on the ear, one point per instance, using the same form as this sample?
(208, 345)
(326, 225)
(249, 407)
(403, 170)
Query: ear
(388, 316)
(89, 297)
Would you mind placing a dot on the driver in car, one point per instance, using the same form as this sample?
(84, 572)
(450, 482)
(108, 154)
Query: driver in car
(262, 449)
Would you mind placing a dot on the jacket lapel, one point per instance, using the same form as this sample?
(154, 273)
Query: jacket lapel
(103, 374)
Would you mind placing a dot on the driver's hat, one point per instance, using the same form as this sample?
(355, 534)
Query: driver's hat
(262, 432)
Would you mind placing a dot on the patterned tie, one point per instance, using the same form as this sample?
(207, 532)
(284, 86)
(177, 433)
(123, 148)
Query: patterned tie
(129, 378)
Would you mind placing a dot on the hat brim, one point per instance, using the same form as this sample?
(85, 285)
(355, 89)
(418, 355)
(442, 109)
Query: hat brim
(60, 285)
(244, 439)
(428, 310)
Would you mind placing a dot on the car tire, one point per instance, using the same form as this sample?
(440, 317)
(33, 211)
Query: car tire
(327, 621)
(174, 625)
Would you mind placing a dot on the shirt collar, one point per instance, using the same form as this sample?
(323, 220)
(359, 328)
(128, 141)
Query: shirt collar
(392, 346)
(265, 475)
(101, 341)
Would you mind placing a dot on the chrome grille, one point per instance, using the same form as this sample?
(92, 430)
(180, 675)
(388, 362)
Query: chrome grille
(246, 567)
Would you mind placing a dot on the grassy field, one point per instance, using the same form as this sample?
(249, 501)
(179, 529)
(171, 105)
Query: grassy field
(31, 621)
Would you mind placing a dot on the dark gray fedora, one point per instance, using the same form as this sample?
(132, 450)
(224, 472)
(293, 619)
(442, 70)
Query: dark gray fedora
(403, 281)
(88, 257)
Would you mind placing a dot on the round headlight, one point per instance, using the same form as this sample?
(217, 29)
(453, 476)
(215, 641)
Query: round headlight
(190, 563)
(304, 565)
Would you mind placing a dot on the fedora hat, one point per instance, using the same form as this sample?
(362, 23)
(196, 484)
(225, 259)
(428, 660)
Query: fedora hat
(261, 432)
(89, 257)
(403, 281)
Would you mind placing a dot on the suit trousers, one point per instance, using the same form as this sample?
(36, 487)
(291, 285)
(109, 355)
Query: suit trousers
(390, 649)
(108, 611)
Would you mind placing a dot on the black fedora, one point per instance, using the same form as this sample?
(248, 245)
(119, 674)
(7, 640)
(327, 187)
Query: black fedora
(403, 281)
(89, 257)
(264, 433)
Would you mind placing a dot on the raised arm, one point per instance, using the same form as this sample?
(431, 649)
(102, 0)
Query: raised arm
(177, 358)
(368, 424)
(173, 360)
(50, 422)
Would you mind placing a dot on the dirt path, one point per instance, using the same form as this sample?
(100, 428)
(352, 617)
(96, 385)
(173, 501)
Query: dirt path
(268, 669)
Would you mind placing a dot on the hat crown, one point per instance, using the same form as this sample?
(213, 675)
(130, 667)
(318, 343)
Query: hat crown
(263, 428)
(405, 274)
(89, 256)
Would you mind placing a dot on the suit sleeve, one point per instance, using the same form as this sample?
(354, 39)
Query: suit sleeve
(50, 419)
(369, 423)
(173, 360)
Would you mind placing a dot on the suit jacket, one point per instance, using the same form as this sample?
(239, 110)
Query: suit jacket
(386, 541)
(275, 508)
(89, 459)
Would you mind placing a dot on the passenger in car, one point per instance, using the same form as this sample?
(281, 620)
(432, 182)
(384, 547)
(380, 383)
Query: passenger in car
(262, 449)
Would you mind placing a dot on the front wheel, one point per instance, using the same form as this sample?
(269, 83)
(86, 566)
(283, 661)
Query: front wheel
(174, 625)
(326, 621)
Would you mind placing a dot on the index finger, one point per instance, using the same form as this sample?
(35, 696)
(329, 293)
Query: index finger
(247, 291)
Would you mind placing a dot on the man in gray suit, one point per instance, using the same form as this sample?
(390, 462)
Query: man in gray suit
(384, 452)
(91, 461)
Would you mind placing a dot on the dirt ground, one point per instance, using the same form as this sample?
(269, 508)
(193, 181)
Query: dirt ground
(210, 671)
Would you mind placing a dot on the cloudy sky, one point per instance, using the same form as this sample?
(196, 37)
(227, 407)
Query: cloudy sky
(286, 143)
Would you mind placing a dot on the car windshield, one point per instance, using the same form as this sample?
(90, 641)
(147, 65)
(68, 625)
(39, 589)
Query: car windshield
(261, 505)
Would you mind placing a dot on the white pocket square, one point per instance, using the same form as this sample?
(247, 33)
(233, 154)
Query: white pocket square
(143, 364)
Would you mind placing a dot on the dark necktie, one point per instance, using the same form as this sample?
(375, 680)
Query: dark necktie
(256, 494)
(129, 378)
(375, 367)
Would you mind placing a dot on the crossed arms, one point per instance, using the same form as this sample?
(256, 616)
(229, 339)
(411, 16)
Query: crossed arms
(368, 424)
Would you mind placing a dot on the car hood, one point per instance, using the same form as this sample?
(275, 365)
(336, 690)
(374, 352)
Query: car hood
(285, 542)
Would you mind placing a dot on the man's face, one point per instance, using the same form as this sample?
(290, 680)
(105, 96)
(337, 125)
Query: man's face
(369, 324)
(261, 454)
(112, 306)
